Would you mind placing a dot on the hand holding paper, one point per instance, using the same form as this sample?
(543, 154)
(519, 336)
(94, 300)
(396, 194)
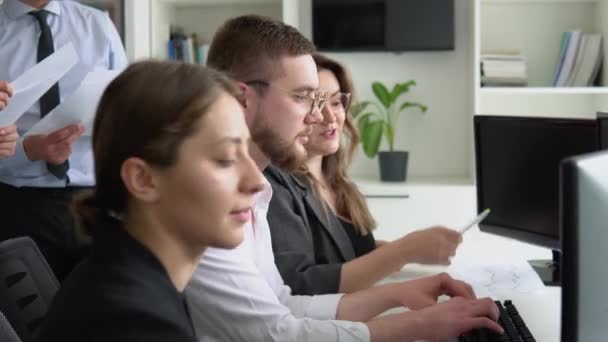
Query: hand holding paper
(78, 108)
(6, 91)
(54, 148)
(8, 140)
(29, 87)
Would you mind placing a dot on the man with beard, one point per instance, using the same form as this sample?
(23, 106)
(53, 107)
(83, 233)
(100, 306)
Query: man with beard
(239, 295)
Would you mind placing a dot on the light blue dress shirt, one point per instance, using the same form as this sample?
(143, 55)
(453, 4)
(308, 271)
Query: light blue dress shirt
(98, 46)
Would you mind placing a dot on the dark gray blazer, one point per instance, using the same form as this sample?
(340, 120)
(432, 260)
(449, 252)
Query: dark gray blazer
(120, 293)
(309, 244)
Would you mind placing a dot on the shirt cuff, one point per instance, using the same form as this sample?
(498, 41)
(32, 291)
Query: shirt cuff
(324, 307)
(353, 331)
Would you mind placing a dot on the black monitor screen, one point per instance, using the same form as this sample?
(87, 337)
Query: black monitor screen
(383, 25)
(356, 25)
(518, 172)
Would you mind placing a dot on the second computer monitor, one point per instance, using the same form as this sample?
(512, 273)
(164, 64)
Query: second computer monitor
(517, 164)
(584, 220)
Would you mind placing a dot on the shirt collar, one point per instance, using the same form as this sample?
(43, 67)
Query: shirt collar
(262, 198)
(15, 9)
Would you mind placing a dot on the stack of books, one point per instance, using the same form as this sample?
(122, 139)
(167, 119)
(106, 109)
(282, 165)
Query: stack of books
(503, 69)
(186, 48)
(580, 59)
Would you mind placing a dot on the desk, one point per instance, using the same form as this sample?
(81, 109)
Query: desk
(541, 310)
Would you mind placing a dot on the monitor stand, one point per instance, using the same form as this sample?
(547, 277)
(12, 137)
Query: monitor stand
(548, 270)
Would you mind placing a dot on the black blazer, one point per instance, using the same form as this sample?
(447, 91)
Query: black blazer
(309, 243)
(120, 293)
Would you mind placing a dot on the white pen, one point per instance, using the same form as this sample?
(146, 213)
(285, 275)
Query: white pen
(476, 221)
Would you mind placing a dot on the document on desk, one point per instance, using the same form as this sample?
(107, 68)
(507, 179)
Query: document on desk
(498, 280)
(78, 108)
(32, 84)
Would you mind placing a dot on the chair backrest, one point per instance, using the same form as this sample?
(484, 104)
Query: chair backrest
(7, 334)
(27, 285)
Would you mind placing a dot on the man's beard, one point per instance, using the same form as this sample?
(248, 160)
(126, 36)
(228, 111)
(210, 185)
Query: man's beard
(281, 153)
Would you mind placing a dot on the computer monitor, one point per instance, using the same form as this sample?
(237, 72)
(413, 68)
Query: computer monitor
(584, 227)
(517, 164)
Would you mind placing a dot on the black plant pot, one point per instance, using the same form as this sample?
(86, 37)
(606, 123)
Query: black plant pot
(393, 166)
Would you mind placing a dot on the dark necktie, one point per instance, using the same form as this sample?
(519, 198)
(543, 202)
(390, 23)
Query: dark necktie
(50, 99)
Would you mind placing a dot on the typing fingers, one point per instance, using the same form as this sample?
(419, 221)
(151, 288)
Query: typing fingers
(481, 323)
(485, 307)
(457, 288)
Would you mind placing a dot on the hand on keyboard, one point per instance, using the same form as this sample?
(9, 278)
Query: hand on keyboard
(514, 326)
(458, 315)
(424, 292)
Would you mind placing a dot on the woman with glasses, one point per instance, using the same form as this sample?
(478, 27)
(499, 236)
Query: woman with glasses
(319, 221)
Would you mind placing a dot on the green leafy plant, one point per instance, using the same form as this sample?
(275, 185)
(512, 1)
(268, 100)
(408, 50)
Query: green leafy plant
(376, 119)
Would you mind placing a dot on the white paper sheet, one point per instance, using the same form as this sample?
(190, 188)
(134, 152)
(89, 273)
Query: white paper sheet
(31, 85)
(492, 280)
(80, 107)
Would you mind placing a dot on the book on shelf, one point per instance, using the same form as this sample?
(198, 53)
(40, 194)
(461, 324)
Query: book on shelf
(503, 68)
(562, 53)
(502, 54)
(591, 58)
(186, 48)
(503, 81)
(580, 59)
(569, 59)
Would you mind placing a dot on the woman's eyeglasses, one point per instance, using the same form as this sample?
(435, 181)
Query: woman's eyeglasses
(338, 102)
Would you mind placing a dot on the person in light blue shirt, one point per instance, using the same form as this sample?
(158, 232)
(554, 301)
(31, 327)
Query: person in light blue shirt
(39, 180)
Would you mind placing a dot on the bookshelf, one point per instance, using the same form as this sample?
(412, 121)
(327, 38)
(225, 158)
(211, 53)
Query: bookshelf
(149, 21)
(535, 28)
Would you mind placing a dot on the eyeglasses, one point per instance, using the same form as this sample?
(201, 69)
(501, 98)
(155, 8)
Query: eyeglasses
(338, 103)
(317, 99)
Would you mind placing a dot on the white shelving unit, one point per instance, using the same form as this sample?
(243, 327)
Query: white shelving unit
(535, 28)
(148, 21)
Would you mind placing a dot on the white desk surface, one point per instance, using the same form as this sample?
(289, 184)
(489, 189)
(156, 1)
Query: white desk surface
(541, 310)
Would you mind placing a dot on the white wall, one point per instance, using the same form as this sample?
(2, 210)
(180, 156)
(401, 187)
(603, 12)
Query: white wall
(161, 17)
(439, 141)
(205, 20)
(137, 29)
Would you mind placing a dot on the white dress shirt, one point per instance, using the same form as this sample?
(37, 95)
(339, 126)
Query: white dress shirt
(239, 295)
(98, 46)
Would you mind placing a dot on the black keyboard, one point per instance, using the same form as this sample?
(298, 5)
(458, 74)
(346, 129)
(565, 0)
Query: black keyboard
(514, 326)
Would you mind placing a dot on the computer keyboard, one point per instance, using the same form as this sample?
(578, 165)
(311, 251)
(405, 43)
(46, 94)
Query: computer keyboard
(513, 324)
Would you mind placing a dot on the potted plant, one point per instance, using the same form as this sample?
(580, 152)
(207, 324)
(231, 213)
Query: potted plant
(377, 119)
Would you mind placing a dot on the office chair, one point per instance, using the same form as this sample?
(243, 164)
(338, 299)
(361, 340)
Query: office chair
(7, 334)
(27, 286)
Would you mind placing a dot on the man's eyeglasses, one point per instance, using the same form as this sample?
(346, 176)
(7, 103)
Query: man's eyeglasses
(317, 99)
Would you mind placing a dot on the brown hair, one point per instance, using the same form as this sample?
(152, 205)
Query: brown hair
(248, 47)
(350, 203)
(146, 112)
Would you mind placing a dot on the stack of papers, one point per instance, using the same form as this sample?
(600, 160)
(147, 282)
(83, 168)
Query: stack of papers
(494, 280)
(78, 108)
(29, 87)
